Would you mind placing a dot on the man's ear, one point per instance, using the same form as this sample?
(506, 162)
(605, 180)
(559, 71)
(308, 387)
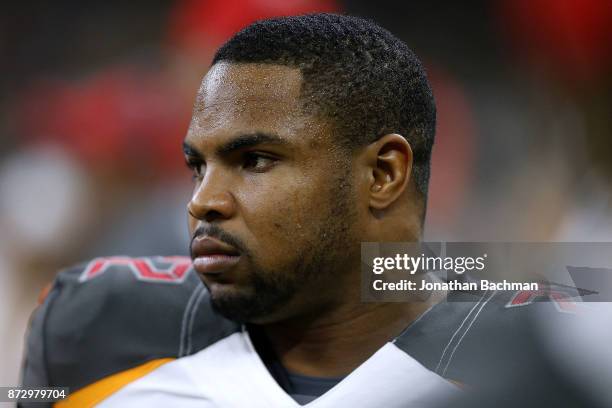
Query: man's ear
(389, 167)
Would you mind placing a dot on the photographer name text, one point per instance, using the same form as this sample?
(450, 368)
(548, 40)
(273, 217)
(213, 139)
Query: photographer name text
(408, 285)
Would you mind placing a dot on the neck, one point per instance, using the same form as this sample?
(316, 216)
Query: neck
(334, 343)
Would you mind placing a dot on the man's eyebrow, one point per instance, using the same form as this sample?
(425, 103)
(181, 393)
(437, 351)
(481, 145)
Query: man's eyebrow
(250, 140)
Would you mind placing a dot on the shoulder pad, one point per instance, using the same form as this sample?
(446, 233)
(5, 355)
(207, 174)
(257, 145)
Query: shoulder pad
(455, 336)
(112, 314)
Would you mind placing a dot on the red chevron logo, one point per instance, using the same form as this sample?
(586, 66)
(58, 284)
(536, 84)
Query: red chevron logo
(167, 269)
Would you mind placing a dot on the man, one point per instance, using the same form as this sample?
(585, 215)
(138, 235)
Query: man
(309, 135)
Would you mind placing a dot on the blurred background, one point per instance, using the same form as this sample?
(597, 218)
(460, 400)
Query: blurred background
(96, 97)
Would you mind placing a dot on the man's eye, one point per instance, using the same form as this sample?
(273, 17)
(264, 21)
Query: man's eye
(198, 169)
(258, 162)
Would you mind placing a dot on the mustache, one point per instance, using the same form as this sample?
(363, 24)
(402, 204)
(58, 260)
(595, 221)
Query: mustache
(214, 231)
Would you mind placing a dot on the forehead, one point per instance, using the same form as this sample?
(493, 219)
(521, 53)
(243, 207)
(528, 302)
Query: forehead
(234, 82)
(245, 98)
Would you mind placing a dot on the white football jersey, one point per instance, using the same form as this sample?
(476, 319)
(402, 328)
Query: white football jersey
(230, 373)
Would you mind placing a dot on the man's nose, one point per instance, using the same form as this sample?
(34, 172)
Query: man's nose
(212, 203)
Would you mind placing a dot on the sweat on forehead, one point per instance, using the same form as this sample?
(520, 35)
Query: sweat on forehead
(241, 83)
(245, 98)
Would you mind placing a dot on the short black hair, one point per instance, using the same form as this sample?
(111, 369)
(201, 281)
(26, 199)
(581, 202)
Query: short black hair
(367, 81)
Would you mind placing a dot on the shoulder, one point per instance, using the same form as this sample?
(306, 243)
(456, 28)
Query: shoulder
(110, 315)
(459, 337)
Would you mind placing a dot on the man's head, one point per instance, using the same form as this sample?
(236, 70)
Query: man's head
(309, 135)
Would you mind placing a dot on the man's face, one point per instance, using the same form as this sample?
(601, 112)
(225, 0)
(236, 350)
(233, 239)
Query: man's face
(272, 209)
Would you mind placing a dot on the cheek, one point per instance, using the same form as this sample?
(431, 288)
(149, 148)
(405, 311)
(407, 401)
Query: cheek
(279, 219)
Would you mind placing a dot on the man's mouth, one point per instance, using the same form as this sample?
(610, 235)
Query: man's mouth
(212, 257)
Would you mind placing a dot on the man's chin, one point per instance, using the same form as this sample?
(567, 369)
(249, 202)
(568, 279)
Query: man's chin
(232, 309)
(245, 305)
(233, 304)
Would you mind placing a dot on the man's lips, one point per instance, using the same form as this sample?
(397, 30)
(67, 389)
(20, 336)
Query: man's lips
(211, 257)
